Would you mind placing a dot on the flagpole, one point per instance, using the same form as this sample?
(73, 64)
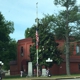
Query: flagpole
(37, 36)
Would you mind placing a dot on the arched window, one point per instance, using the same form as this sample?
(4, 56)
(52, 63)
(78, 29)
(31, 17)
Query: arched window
(22, 51)
(77, 49)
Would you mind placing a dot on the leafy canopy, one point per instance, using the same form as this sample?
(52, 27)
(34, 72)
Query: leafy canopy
(47, 44)
(7, 45)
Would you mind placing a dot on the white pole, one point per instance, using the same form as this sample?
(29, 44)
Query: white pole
(37, 41)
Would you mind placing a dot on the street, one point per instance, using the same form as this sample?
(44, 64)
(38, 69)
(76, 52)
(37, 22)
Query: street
(70, 79)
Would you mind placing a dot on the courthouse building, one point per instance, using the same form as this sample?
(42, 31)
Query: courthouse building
(23, 57)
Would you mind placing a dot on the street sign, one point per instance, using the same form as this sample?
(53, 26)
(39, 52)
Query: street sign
(49, 60)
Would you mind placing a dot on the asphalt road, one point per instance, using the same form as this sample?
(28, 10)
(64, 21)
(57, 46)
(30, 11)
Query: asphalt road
(70, 79)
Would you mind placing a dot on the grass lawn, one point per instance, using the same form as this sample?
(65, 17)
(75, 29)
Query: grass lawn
(16, 79)
(29, 78)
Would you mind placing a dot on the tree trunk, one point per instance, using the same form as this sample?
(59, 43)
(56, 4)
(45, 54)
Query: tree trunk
(67, 44)
(67, 56)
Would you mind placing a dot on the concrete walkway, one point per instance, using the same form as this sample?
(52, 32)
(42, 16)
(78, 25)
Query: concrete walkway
(54, 78)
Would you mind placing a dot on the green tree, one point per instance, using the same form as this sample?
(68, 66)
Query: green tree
(10, 53)
(69, 19)
(47, 44)
(7, 50)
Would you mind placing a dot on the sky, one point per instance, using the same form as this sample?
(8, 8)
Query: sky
(23, 13)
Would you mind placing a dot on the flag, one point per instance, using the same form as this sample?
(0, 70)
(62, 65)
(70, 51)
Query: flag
(37, 38)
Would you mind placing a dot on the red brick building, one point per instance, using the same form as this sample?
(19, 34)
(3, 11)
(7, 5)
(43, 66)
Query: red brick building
(23, 52)
(22, 57)
(74, 58)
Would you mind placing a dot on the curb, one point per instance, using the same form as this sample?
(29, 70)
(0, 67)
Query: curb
(51, 78)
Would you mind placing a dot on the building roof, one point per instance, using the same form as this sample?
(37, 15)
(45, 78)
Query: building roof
(26, 39)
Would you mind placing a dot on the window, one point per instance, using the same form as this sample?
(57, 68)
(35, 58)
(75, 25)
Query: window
(22, 51)
(79, 66)
(78, 49)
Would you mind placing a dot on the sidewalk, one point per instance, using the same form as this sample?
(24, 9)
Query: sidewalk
(53, 77)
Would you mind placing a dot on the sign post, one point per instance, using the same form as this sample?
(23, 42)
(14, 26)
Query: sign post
(49, 60)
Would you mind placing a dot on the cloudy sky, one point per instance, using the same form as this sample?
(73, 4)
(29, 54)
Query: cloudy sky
(23, 13)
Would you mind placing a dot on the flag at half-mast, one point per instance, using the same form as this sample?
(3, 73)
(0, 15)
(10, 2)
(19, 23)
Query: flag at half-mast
(37, 38)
